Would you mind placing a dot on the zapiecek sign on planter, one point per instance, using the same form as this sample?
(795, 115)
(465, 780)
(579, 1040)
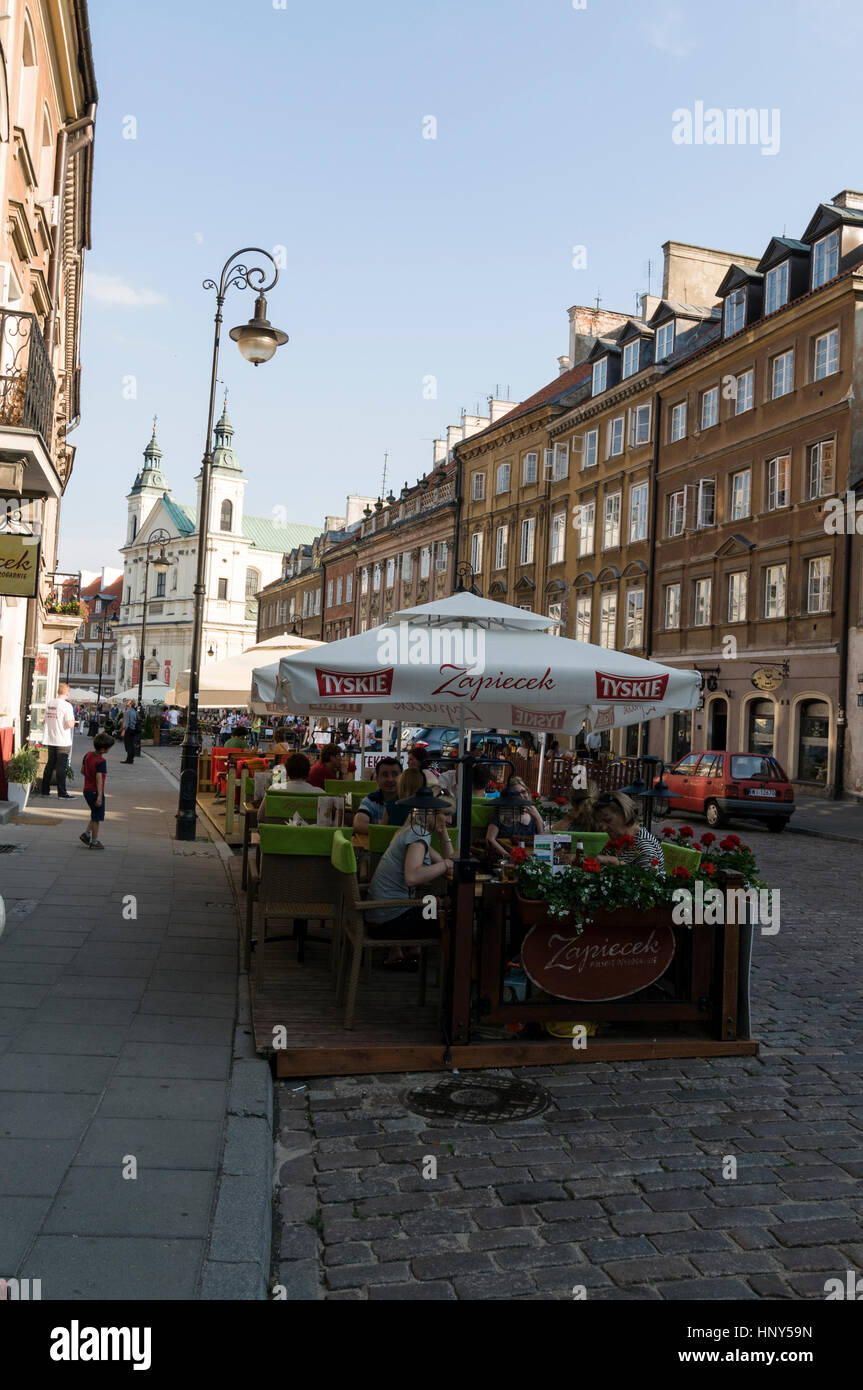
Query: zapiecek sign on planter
(603, 963)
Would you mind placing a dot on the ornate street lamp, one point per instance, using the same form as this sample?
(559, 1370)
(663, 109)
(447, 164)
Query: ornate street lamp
(161, 564)
(257, 341)
(465, 575)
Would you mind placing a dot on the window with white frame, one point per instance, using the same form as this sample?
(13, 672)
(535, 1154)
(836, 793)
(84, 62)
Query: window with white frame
(611, 521)
(329, 593)
(547, 464)
(599, 378)
(339, 587)
(737, 586)
(818, 584)
(425, 562)
(821, 468)
(501, 483)
(825, 259)
(630, 359)
(591, 449)
(634, 625)
(639, 425)
(615, 436)
(477, 491)
(776, 288)
(364, 580)
(561, 462)
(306, 602)
(778, 482)
(583, 605)
(638, 512)
(391, 572)
(741, 484)
(774, 591)
(528, 533)
(529, 469)
(706, 503)
(677, 513)
(407, 565)
(782, 374)
(664, 343)
(672, 607)
(317, 602)
(734, 312)
(703, 593)
(608, 620)
(476, 552)
(710, 408)
(584, 520)
(555, 611)
(557, 539)
(349, 588)
(678, 421)
(744, 392)
(501, 545)
(441, 557)
(826, 356)
(376, 578)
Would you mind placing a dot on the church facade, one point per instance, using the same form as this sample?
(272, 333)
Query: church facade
(244, 553)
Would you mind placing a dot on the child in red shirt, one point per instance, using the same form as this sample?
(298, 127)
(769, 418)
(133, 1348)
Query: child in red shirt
(95, 770)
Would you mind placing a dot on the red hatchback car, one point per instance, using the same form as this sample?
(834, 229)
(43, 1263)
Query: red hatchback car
(722, 785)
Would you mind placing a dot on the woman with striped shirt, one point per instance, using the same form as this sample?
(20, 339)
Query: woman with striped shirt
(617, 814)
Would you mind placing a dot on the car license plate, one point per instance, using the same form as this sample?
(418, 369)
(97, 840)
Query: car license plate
(759, 791)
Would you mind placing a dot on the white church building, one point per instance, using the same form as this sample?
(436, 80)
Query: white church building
(244, 553)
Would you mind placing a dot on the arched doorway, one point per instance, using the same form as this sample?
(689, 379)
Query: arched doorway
(681, 734)
(717, 727)
(761, 718)
(813, 741)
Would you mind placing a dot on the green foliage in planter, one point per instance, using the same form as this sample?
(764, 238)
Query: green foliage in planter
(147, 728)
(23, 767)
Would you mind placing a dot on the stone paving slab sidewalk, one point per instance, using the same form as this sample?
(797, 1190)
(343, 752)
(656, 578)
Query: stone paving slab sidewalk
(121, 1051)
(622, 1188)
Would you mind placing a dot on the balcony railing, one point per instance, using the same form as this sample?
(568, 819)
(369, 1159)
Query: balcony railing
(27, 386)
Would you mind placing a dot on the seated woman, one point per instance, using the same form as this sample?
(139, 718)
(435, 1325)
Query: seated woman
(529, 823)
(418, 760)
(617, 814)
(580, 813)
(409, 784)
(408, 863)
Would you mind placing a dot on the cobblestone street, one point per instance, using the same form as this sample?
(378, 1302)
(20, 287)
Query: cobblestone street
(621, 1189)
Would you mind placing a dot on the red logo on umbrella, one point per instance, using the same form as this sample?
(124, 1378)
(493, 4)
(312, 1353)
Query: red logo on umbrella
(629, 687)
(339, 683)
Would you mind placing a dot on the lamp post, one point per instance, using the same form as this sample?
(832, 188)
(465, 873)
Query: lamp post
(465, 576)
(257, 341)
(104, 631)
(161, 565)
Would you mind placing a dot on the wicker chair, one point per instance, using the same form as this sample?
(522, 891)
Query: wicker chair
(295, 880)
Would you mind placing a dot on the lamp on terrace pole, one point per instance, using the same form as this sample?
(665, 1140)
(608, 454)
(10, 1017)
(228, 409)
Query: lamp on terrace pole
(257, 341)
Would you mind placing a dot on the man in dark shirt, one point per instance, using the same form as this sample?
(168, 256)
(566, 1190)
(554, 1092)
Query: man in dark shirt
(372, 807)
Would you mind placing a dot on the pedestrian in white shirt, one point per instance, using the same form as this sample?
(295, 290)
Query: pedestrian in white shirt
(59, 724)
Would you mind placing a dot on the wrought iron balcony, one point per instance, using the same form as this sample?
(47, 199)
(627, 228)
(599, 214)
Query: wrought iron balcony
(27, 386)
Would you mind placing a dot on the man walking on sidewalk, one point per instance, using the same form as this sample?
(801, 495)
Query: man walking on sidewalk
(130, 728)
(59, 723)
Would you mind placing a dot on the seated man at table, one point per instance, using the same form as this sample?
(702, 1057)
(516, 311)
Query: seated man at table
(408, 785)
(298, 767)
(236, 741)
(372, 807)
(328, 767)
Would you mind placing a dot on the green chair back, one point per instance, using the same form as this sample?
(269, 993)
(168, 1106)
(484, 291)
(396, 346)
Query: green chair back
(342, 856)
(284, 805)
(380, 837)
(357, 799)
(593, 840)
(334, 787)
(481, 812)
(676, 857)
(315, 840)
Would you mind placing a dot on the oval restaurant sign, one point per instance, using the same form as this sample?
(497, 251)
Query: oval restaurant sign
(602, 963)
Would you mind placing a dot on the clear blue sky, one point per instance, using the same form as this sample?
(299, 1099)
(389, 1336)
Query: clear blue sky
(407, 257)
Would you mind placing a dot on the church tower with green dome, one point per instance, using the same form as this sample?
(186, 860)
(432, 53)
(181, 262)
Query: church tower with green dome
(148, 487)
(227, 484)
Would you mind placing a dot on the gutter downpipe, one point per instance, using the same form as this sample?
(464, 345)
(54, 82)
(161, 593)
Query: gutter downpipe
(654, 512)
(842, 717)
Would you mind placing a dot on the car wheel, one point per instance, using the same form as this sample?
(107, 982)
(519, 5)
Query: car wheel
(777, 824)
(715, 819)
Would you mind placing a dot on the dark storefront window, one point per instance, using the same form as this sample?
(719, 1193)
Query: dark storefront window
(681, 734)
(814, 741)
(762, 715)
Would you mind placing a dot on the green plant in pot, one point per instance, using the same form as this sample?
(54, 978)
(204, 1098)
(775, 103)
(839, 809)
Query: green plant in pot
(22, 770)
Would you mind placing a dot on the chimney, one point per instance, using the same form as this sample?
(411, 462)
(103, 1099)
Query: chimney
(563, 365)
(440, 451)
(453, 434)
(649, 304)
(847, 199)
(497, 408)
(586, 324)
(472, 424)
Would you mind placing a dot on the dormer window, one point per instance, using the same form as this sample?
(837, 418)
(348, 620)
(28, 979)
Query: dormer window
(600, 376)
(630, 359)
(825, 259)
(664, 341)
(735, 312)
(776, 288)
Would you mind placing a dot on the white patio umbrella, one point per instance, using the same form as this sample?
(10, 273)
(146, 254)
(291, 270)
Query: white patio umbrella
(153, 693)
(82, 697)
(228, 682)
(474, 663)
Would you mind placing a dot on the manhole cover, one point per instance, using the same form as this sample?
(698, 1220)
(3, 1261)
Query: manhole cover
(479, 1100)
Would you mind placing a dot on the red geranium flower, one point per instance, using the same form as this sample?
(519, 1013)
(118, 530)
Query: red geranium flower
(686, 832)
(735, 839)
(626, 841)
(668, 830)
(707, 838)
(592, 865)
(680, 872)
(709, 869)
(518, 854)
(560, 801)
(727, 843)
(654, 863)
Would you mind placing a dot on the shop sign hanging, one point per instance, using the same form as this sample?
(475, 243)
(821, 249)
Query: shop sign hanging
(603, 962)
(19, 565)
